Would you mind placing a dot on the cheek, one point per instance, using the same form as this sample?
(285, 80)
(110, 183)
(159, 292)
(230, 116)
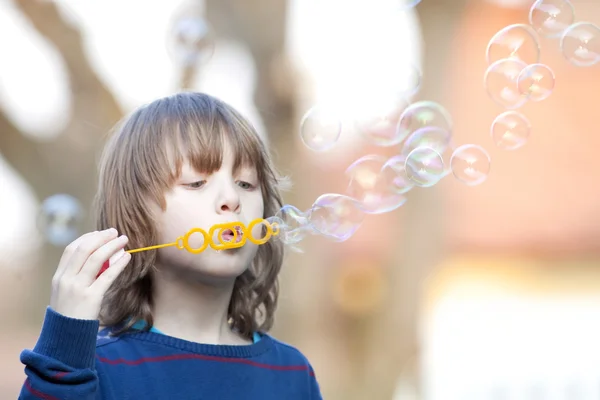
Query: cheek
(253, 206)
(173, 223)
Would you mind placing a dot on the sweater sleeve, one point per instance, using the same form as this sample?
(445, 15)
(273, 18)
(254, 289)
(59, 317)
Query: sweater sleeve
(315, 391)
(62, 363)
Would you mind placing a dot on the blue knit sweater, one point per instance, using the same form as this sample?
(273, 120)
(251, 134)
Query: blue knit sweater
(73, 361)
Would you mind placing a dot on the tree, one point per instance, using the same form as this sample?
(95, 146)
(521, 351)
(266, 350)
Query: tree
(68, 163)
(380, 346)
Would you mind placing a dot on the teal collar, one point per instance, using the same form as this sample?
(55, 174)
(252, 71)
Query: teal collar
(141, 325)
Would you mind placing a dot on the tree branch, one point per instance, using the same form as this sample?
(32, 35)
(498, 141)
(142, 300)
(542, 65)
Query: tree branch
(93, 104)
(22, 152)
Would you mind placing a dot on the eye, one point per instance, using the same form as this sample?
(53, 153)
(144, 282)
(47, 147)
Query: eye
(246, 185)
(195, 185)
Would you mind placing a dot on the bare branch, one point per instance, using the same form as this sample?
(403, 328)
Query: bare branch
(22, 152)
(93, 103)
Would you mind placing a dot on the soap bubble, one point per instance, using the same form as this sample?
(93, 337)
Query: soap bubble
(374, 191)
(501, 83)
(550, 18)
(276, 224)
(423, 114)
(430, 137)
(320, 129)
(407, 4)
(470, 164)
(378, 121)
(410, 82)
(260, 231)
(295, 225)
(515, 42)
(536, 82)
(336, 216)
(510, 130)
(394, 173)
(580, 44)
(433, 137)
(424, 166)
(60, 219)
(191, 41)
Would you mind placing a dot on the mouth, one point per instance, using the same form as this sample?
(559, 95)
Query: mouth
(228, 235)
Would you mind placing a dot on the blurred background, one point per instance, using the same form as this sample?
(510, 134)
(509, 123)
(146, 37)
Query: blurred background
(476, 291)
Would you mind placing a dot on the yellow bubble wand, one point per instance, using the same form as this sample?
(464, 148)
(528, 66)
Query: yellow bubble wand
(182, 242)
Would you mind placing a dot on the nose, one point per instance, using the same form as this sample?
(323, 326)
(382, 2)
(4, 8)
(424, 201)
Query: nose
(229, 201)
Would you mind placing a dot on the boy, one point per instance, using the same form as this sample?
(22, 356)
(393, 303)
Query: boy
(177, 325)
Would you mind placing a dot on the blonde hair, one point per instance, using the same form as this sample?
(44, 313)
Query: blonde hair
(142, 160)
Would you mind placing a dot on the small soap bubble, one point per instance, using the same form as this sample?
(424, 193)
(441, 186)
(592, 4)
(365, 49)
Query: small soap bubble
(580, 44)
(550, 18)
(60, 219)
(501, 83)
(536, 82)
(191, 40)
(393, 173)
(276, 224)
(398, 5)
(374, 192)
(510, 130)
(260, 231)
(424, 166)
(295, 224)
(407, 4)
(518, 42)
(470, 164)
(336, 216)
(377, 120)
(320, 129)
(410, 80)
(430, 136)
(423, 114)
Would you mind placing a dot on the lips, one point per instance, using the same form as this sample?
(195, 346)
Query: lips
(227, 235)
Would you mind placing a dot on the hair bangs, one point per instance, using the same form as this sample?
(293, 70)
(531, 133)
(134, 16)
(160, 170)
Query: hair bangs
(203, 134)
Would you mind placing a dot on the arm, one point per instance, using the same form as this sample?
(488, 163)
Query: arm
(315, 391)
(62, 364)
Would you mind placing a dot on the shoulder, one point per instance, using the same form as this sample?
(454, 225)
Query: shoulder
(105, 337)
(290, 353)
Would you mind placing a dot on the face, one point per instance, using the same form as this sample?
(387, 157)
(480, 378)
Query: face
(200, 200)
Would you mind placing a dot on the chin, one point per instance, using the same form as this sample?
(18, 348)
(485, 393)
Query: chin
(226, 264)
(210, 267)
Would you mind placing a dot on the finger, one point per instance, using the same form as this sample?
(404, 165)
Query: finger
(86, 248)
(68, 253)
(92, 266)
(109, 262)
(104, 281)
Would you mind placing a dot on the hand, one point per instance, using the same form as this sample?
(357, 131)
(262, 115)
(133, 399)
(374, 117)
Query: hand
(76, 293)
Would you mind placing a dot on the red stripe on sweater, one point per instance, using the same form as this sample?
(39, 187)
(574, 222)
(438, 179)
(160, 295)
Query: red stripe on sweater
(37, 393)
(176, 357)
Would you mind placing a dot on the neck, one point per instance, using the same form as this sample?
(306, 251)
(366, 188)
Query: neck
(192, 310)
